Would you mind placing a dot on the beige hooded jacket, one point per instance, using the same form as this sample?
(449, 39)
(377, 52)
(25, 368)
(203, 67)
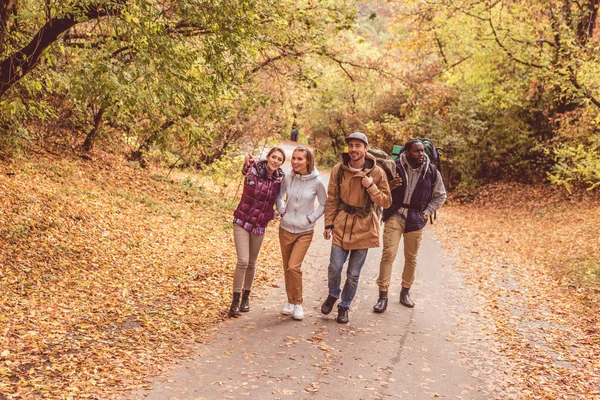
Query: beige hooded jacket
(350, 231)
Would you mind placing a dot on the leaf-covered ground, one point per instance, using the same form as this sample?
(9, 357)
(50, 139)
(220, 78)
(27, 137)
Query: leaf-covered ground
(534, 254)
(107, 273)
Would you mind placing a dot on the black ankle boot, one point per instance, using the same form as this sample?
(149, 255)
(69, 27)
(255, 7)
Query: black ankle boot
(245, 306)
(327, 305)
(381, 303)
(342, 317)
(405, 298)
(234, 310)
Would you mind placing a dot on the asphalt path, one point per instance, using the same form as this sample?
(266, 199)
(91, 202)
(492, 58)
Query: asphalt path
(439, 349)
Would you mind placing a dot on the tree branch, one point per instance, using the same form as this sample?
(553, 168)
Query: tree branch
(187, 28)
(587, 22)
(284, 54)
(508, 52)
(341, 65)
(367, 67)
(17, 65)
(441, 48)
(585, 91)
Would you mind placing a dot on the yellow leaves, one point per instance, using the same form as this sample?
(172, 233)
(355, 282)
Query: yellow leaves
(101, 290)
(313, 387)
(521, 247)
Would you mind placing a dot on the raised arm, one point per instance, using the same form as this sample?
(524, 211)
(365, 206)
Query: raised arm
(248, 163)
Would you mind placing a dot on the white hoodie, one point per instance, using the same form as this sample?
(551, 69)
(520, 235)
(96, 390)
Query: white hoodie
(301, 192)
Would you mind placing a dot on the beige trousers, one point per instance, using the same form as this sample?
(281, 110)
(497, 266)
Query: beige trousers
(293, 249)
(247, 247)
(392, 233)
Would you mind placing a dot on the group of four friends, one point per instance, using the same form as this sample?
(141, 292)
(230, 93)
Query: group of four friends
(349, 205)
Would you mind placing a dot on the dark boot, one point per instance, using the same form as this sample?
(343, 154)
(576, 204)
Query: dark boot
(405, 298)
(381, 303)
(245, 306)
(342, 317)
(234, 310)
(328, 304)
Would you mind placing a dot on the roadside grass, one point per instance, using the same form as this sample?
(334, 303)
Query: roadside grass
(533, 254)
(108, 272)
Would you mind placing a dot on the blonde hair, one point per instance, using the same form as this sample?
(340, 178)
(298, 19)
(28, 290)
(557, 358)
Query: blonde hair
(310, 159)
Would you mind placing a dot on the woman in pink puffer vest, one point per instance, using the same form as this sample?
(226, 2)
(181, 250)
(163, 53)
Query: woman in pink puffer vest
(251, 217)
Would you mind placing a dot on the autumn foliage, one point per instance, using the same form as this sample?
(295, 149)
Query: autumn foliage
(107, 272)
(532, 253)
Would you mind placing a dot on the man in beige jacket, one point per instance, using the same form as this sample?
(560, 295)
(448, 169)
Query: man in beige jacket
(351, 219)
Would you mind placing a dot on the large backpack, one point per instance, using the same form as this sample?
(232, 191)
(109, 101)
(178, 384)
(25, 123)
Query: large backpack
(432, 152)
(383, 160)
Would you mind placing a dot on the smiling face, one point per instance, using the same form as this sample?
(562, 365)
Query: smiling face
(274, 160)
(357, 149)
(299, 162)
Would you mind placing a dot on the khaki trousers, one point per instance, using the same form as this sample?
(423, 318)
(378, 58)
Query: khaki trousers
(293, 249)
(392, 233)
(247, 247)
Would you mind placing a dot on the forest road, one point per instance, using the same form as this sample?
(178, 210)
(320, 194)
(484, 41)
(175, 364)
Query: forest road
(436, 350)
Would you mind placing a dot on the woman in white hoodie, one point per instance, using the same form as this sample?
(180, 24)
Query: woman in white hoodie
(297, 225)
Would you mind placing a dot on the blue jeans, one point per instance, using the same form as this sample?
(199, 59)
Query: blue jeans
(337, 258)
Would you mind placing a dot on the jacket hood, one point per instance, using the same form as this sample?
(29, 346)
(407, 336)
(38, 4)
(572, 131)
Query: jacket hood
(404, 161)
(312, 175)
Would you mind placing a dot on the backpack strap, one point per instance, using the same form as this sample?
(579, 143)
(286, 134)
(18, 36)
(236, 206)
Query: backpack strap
(433, 170)
(367, 202)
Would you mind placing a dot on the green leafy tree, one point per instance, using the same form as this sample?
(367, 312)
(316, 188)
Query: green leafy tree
(166, 74)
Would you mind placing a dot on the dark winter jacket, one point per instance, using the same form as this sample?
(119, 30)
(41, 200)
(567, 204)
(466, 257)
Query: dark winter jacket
(261, 190)
(420, 199)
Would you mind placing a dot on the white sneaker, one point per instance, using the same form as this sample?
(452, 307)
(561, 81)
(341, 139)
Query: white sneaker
(288, 309)
(298, 312)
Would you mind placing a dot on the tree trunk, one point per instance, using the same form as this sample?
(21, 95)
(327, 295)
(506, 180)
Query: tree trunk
(137, 155)
(587, 23)
(90, 139)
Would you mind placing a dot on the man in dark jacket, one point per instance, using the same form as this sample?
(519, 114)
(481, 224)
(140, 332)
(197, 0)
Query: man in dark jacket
(417, 192)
